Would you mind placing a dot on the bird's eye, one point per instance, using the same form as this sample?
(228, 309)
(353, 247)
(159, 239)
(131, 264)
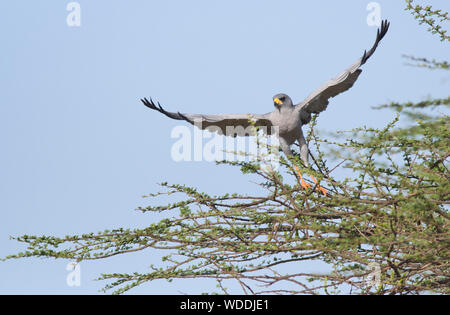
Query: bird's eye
(283, 98)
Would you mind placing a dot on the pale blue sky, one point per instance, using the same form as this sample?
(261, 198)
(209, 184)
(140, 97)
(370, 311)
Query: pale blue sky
(78, 149)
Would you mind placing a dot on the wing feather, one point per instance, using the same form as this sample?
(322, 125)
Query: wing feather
(317, 101)
(226, 124)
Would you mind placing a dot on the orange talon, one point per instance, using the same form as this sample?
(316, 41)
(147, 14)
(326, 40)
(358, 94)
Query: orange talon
(321, 189)
(303, 183)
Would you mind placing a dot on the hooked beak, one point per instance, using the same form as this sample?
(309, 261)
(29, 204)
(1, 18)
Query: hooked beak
(277, 101)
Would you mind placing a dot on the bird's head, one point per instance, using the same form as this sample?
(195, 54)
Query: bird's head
(282, 100)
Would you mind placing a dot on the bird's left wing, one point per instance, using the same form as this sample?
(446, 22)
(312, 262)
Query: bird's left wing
(317, 101)
(226, 124)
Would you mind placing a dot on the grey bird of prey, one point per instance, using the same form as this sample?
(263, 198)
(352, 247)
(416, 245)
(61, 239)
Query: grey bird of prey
(287, 117)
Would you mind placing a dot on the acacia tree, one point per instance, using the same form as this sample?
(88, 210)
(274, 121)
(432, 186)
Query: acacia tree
(387, 220)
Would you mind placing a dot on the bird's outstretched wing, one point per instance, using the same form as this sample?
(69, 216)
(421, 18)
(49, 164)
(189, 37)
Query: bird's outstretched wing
(317, 101)
(227, 124)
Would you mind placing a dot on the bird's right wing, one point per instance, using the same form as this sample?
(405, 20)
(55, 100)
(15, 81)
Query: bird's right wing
(226, 124)
(317, 101)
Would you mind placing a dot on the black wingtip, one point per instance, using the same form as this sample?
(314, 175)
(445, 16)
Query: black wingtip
(145, 102)
(150, 104)
(381, 31)
(184, 117)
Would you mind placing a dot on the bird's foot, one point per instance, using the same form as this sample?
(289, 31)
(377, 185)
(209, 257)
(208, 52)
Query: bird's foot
(304, 184)
(322, 190)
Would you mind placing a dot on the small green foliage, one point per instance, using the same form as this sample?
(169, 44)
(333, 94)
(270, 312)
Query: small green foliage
(429, 64)
(426, 15)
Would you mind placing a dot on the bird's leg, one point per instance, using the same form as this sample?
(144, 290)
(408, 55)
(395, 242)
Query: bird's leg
(321, 189)
(287, 151)
(303, 183)
(304, 154)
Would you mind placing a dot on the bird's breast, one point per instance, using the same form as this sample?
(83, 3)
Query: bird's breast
(287, 121)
